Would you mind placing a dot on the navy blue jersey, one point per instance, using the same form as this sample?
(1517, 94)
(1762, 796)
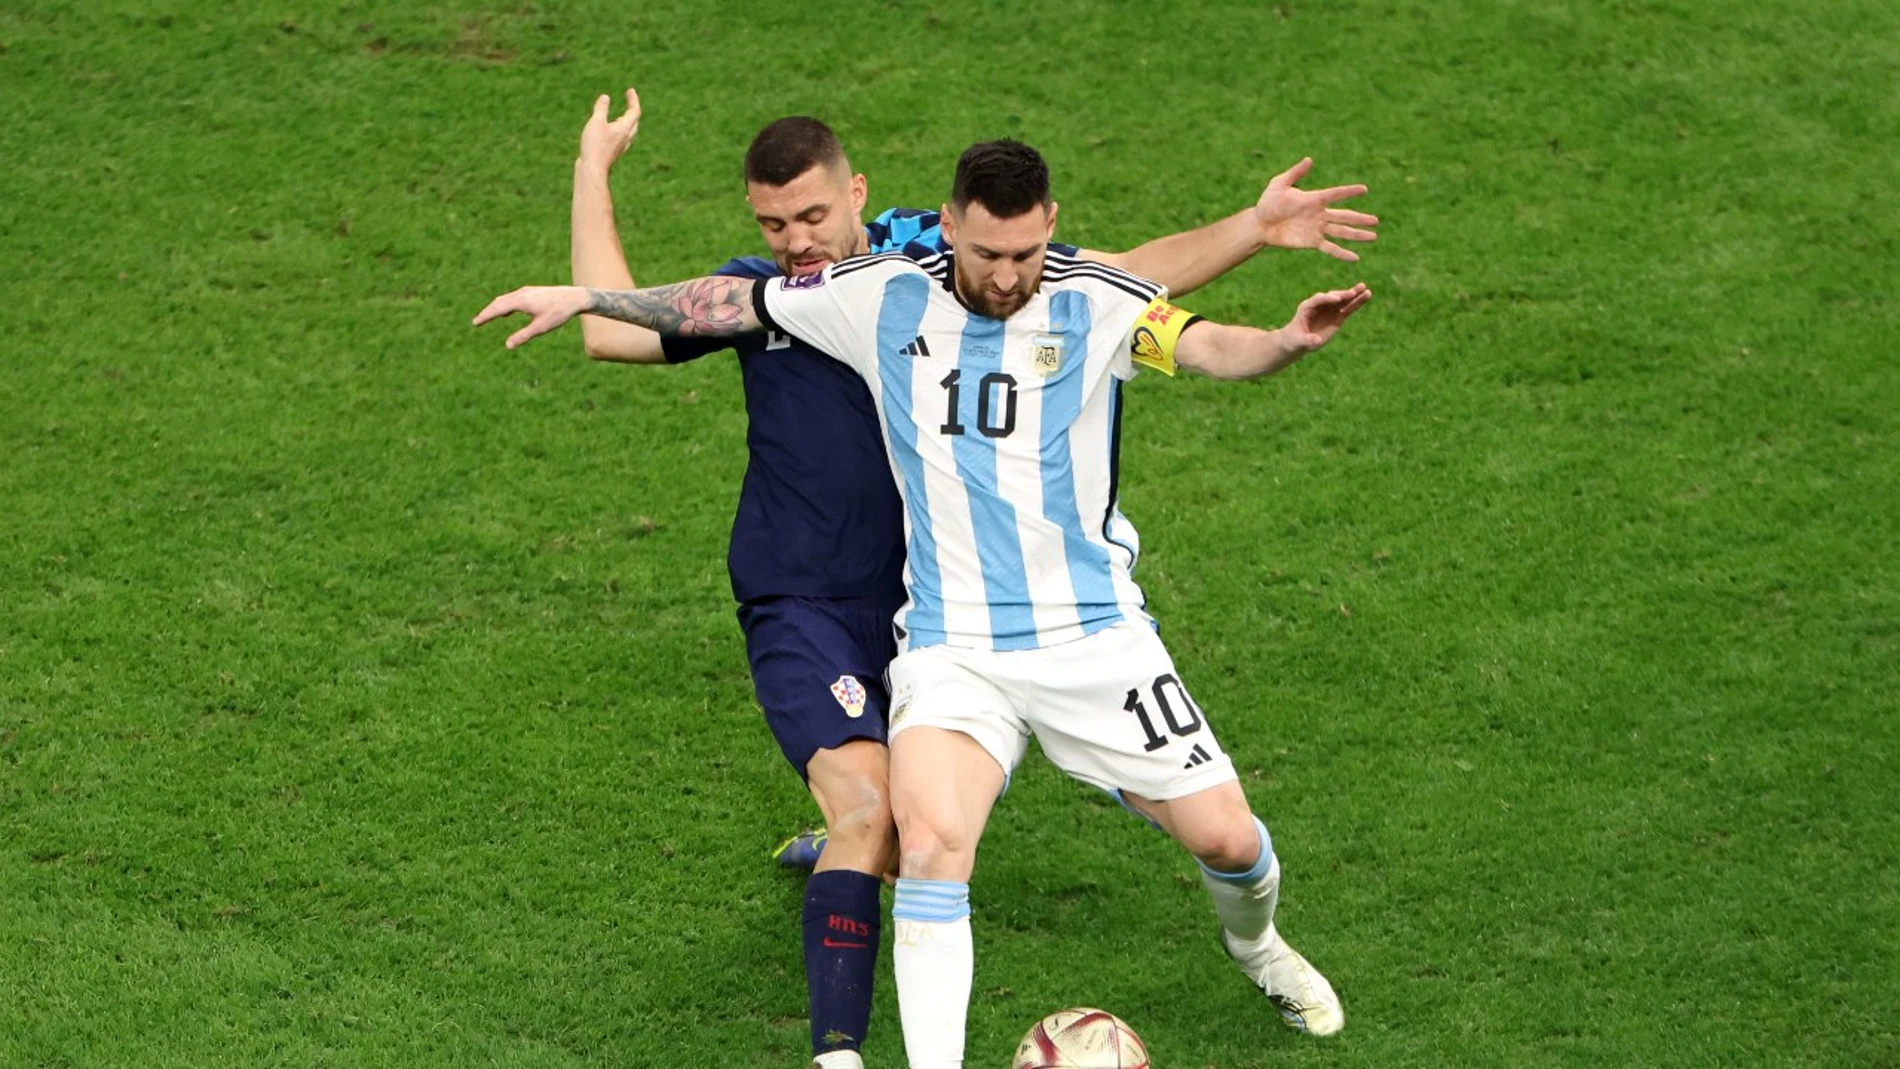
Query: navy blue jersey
(907, 230)
(818, 514)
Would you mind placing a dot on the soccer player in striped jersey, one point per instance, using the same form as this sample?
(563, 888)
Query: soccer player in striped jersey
(817, 549)
(996, 369)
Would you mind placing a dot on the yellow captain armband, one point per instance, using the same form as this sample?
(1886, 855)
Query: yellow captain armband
(1156, 332)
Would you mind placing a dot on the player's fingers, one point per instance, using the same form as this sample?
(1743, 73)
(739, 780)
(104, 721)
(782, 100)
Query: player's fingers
(1321, 304)
(500, 306)
(1348, 233)
(633, 102)
(1338, 253)
(1293, 174)
(1347, 215)
(1360, 296)
(600, 108)
(1338, 298)
(536, 327)
(1335, 194)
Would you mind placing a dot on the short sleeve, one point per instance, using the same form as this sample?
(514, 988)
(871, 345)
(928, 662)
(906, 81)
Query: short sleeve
(835, 310)
(678, 349)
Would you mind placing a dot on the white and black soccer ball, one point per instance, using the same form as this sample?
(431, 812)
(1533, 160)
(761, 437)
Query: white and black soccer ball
(1081, 1038)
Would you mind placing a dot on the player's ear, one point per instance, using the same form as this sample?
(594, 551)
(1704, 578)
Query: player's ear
(860, 193)
(1052, 219)
(947, 219)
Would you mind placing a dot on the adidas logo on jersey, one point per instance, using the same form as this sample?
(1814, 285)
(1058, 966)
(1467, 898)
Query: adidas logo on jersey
(916, 347)
(1197, 756)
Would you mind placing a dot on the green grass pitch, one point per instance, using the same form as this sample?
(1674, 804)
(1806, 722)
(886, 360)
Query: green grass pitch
(370, 695)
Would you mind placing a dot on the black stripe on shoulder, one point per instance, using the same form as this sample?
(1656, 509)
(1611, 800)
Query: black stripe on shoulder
(858, 263)
(1065, 266)
(1133, 285)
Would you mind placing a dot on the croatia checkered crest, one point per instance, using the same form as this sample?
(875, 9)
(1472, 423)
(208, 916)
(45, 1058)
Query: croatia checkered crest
(850, 695)
(1081, 1038)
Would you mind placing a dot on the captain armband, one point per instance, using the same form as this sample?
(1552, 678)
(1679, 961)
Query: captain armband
(1157, 331)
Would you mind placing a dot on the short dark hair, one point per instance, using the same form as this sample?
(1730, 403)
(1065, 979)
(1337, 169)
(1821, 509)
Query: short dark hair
(790, 147)
(1007, 177)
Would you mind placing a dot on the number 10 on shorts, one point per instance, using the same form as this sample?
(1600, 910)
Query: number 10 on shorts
(1159, 691)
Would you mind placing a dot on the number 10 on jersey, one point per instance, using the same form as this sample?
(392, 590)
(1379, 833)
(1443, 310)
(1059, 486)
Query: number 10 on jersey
(995, 391)
(1176, 725)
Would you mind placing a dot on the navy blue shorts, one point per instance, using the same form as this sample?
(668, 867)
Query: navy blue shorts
(818, 669)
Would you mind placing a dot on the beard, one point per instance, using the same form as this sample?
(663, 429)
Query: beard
(986, 302)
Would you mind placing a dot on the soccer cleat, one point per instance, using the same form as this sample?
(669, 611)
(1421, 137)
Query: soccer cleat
(1302, 996)
(801, 851)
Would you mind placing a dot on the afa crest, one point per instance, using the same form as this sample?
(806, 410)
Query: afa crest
(850, 695)
(1045, 354)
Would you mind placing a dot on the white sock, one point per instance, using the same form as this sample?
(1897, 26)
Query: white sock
(839, 1059)
(935, 961)
(1245, 901)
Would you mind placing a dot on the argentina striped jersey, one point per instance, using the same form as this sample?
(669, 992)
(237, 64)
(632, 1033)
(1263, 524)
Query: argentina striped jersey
(1002, 435)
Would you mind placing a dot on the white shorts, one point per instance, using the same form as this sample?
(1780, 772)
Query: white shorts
(1108, 709)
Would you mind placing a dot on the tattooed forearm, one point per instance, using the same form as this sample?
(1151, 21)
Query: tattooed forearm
(704, 306)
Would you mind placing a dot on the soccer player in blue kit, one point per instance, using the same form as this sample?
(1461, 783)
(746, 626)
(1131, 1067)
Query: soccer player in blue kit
(816, 557)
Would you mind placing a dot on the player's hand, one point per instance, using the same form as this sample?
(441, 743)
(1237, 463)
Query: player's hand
(1320, 316)
(547, 306)
(603, 142)
(1294, 218)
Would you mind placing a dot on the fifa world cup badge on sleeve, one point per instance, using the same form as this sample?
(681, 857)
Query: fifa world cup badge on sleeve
(850, 695)
(805, 282)
(1045, 354)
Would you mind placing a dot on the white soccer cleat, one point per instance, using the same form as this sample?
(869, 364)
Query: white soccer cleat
(1302, 996)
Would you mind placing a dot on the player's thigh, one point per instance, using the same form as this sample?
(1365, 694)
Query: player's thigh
(943, 786)
(818, 672)
(955, 737)
(1111, 710)
(1214, 824)
(851, 783)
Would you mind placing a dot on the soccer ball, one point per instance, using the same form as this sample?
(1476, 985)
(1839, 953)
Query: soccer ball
(1081, 1038)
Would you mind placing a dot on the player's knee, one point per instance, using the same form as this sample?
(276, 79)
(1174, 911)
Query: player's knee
(863, 816)
(1231, 846)
(933, 849)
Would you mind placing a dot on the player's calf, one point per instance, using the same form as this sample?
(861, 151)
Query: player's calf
(1246, 900)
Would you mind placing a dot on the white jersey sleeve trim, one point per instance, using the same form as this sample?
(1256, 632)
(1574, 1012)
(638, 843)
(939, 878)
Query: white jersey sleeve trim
(826, 310)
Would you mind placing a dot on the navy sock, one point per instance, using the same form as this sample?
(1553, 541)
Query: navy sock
(841, 927)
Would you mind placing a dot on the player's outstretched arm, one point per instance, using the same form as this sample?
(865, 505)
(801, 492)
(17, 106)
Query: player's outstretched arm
(702, 307)
(1233, 352)
(1285, 217)
(594, 247)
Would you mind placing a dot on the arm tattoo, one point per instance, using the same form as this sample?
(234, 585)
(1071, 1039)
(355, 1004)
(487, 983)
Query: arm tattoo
(704, 306)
